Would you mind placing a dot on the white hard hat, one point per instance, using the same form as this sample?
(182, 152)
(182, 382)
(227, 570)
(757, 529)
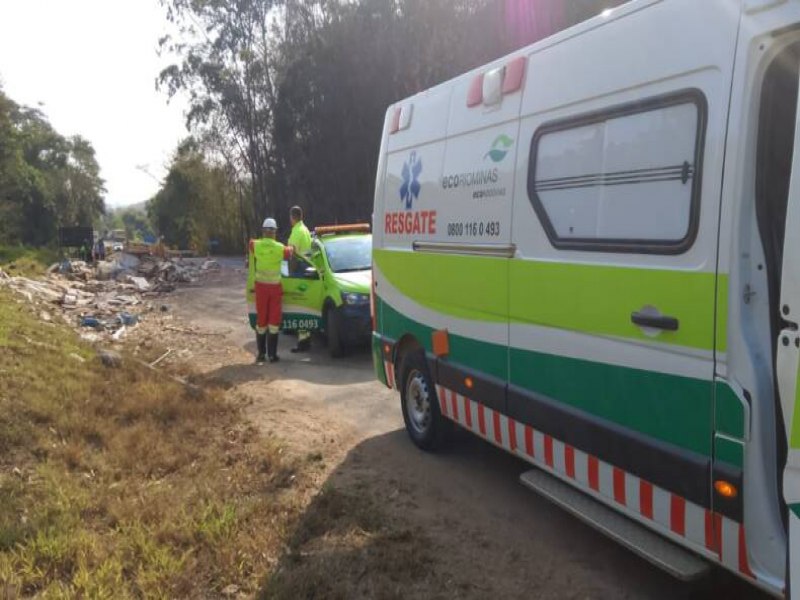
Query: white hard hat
(269, 224)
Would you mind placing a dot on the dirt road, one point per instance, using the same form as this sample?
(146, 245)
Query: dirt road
(489, 537)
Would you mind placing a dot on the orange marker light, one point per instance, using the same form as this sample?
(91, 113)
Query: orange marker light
(725, 489)
(441, 343)
(387, 349)
(469, 383)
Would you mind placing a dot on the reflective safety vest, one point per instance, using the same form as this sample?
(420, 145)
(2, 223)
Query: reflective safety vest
(300, 238)
(266, 256)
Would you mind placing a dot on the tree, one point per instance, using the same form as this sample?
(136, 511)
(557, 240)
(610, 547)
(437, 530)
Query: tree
(83, 186)
(291, 94)
(198, 204)
(137, 226)
(46, 180)
(226, 71)
(337, 80)
(14, 173)
(133, 219)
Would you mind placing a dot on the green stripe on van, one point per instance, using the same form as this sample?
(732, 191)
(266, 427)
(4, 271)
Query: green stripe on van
(674, 409)
(729, 451)
(593, 299)
(600, 299)
(491, 359)
(729, 411)
(722, 312)
(474, 288)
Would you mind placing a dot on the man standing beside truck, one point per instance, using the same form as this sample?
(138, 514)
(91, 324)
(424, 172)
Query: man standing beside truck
(264, 284)
(300, 242)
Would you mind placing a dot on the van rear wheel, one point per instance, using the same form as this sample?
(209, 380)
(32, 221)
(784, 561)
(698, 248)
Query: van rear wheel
(424, 422)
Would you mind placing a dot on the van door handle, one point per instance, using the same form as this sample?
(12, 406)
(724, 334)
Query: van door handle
(655, 321)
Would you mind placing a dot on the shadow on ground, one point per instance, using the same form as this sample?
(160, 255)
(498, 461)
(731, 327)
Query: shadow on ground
(315, 367)
(393, 522)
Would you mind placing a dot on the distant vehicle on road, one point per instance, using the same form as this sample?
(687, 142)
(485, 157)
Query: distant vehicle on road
(588, 254)
(329, 291)
(117, 239)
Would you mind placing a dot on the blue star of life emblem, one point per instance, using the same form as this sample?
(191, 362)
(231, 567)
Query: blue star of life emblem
(411, 187)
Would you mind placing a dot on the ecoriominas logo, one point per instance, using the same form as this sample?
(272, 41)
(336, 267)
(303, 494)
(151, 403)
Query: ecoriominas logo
(411, 187)
(500, 147)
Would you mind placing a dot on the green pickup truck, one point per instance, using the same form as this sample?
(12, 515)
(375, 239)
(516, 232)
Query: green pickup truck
(329, 291)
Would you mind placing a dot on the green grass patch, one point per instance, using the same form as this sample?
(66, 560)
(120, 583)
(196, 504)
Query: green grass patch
(120, 483)
(25, 261)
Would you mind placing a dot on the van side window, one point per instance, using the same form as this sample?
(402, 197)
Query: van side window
(622, 180)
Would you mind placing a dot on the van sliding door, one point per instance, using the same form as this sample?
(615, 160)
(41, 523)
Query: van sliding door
(613, 288)
(788, 359)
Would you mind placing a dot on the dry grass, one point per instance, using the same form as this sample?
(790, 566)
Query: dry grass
(346, 547)
(120, 483)
(27, 262)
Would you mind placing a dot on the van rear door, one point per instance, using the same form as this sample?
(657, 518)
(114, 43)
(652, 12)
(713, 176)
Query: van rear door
(442, 252)
(788, 358)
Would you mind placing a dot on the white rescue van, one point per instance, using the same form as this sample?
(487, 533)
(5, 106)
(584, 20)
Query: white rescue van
(588, 254)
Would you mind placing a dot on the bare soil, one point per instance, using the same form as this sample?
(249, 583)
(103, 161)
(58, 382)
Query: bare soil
(454, 524)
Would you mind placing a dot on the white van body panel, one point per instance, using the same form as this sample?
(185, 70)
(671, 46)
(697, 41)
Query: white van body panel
(468, 167)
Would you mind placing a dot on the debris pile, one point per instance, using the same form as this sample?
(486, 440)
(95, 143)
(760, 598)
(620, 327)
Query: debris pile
(110, 297)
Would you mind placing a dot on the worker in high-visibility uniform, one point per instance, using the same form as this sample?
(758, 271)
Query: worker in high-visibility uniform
(264, 282)
(300, 241)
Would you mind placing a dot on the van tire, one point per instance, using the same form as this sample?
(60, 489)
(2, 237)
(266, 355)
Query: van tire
(424, 422)
(333, 328)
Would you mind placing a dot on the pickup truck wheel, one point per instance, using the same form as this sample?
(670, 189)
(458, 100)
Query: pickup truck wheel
(333, 326)
(425, 424)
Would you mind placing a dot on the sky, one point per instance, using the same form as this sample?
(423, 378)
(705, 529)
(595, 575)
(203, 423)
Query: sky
(92, 65)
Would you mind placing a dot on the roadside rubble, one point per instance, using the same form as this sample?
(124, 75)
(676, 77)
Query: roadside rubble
(108, 300)
(128, 310)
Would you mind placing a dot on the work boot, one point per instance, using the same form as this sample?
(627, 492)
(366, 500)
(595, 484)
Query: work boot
(261, 343)
(302, 346)
(272, 347)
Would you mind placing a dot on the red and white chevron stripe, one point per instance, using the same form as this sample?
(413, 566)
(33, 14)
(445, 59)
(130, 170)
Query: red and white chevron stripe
(714, 536)
(388, 368)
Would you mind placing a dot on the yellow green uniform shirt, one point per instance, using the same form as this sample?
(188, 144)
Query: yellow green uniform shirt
(264, 265)
(300, 238)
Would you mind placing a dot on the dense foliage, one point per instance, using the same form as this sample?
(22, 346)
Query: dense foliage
(286, 103)
(46, 180)
(291, 94)
(197, 207)
(132, 219)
